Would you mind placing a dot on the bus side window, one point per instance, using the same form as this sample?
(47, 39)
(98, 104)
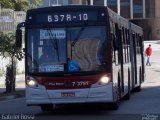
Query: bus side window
(115, 42)
(113, 35)
(138, 44)
(120, 50)
(142, 47)
(115, 49)
(118, 42)
(134, 45)
(123, 45)
(128, 45)
(115, 38)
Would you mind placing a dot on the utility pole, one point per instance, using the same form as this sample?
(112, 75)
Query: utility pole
(118, 7)
(105, 2)
(131, 9)
(91, 2)
(144, 9)
(49, 3)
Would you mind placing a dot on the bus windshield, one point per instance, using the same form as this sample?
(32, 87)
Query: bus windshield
(73, 49)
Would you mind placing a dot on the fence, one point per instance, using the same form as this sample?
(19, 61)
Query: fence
(10, 18)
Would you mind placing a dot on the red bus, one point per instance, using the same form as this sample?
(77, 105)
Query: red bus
(80, 54)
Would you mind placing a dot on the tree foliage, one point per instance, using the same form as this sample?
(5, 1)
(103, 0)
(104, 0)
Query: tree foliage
(8, 47)
(20, 5)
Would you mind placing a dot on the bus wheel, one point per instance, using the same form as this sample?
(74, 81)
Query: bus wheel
(47, 107)
(114, 105)
(138, 89)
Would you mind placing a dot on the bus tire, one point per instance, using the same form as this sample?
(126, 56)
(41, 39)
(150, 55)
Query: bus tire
(47, 107)
(114, 105)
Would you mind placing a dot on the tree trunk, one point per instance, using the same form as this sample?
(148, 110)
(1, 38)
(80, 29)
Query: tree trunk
(10, 77)
(8, 81)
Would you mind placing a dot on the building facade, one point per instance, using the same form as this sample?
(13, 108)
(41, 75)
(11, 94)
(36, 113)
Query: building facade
(144, 13)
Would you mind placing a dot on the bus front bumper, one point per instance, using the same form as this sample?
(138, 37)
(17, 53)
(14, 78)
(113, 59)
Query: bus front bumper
(90, 95)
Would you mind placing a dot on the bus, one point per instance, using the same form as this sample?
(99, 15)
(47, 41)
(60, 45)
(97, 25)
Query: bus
(80, 54)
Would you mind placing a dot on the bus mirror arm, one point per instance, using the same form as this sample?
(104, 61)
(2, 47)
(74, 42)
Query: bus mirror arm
(19, 35)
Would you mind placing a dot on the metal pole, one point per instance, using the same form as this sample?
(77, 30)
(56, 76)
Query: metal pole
(118, 7)
(105, 2)
(91, 2)
(144, 9)
(131, 9)
(57, 2)
(49, 3)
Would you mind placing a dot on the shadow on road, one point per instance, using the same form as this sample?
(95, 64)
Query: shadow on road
(83, 112)
(80, 109)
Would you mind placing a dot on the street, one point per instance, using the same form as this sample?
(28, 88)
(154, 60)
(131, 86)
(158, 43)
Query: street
(147, 101)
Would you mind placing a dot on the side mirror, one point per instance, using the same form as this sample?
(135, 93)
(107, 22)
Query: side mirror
(19, 38)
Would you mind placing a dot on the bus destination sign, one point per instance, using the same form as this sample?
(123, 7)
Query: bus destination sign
(66, 17)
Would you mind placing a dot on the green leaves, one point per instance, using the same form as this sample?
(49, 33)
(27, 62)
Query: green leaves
(8, 47)
(19, 5)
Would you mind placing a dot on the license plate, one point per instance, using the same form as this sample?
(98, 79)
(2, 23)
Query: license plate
(68, 94)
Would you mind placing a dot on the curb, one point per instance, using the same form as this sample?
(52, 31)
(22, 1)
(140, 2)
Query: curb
(10, 97)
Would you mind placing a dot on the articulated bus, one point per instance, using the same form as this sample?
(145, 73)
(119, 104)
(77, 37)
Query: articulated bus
(80, 54)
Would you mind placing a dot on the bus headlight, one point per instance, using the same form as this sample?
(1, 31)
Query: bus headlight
(32, 83)
(104, 80)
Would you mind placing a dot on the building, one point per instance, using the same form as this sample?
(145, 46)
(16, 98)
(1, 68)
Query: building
(46, 3)
(144, 13)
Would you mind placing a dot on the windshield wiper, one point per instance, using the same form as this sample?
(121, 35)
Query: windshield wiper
(77, 38)
(53, 41)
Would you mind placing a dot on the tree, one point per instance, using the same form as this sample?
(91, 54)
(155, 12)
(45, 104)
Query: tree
(19, 5)
(8, 49)
(7, 40)
(35, 3)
